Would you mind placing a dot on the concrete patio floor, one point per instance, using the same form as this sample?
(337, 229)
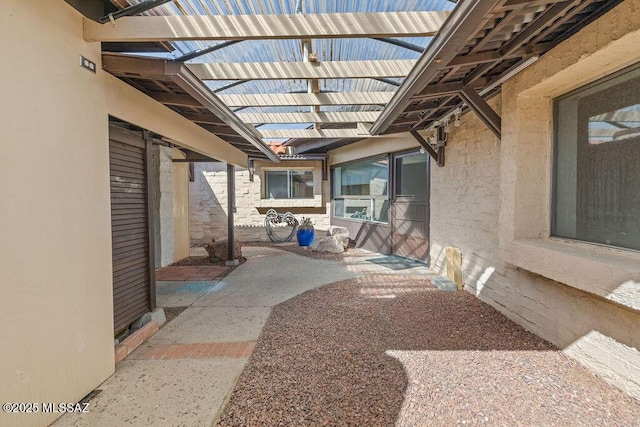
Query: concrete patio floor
(185, 373)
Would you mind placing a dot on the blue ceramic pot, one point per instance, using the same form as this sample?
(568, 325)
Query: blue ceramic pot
(305, 236)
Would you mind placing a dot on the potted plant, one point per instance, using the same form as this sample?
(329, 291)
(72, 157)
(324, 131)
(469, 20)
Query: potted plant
(305, 232)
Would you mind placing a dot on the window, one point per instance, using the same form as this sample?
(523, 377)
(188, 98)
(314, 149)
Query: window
(411, 175)
(597, 163)
(292, 184)
(360, 190)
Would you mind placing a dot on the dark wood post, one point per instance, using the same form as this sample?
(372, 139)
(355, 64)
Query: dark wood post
(231, 204)
(151, 211)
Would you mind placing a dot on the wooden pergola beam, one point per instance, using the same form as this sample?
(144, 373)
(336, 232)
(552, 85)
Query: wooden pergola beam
(203, 118)
(329, 117)
(492, 56)
(133, 10)
(440, 90)
(361, 132)
(256, 27)
(306, 99)
(176, 100)
(315, 144)
(302, 70)
(539, 23)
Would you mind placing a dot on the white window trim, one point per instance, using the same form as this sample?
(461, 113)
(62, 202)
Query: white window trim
(315, 202)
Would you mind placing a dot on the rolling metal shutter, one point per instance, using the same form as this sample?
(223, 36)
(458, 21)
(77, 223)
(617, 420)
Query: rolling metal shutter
(133, 292)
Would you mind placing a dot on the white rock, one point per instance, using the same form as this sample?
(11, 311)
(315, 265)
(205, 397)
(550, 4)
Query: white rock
(332, 244)
(342, 232)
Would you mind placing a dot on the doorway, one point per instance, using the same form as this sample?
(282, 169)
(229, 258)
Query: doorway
(410, 205)
(132, 241)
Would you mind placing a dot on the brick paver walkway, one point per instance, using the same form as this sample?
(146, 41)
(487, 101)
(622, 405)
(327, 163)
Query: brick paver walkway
(175, 272)
(195, 350)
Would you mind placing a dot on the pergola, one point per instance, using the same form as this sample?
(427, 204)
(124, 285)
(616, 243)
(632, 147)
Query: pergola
(318, 74)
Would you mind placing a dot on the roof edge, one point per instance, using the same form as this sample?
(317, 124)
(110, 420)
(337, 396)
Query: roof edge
(190, 83)
(459, 26)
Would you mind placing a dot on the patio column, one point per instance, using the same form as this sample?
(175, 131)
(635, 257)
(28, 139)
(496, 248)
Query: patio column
(231, 204)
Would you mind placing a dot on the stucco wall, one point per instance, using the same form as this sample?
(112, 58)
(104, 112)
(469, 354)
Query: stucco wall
(372, 147)
(56, 320)
(560, 290)
(208, 202)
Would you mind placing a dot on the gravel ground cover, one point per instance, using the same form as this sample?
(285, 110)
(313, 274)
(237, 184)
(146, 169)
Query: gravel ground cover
(386, 350)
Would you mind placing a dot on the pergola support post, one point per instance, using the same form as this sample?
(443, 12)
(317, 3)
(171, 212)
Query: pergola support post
(151, 212)
(231, 205)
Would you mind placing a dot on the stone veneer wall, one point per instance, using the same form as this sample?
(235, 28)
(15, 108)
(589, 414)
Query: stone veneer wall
(166, 206)
(471, 210)
(208, 205)
(163, 204)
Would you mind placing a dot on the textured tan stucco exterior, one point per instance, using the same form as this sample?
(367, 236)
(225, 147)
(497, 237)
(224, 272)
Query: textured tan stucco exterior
(56, 303)
(372, 147)
(56, 327)
(492, 201)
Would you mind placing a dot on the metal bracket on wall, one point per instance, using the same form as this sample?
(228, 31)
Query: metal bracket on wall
(477, 103)
(437, 153)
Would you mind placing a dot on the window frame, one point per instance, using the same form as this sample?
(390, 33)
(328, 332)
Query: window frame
(526, 177)
(265, 171)
(389, 158)
(396, 181)
(555, 121)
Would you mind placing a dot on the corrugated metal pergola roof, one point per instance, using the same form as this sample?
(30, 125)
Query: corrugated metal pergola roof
(330, 61)
(324, 64)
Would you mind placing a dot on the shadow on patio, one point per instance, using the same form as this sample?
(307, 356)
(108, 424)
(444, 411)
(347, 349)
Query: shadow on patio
(392, 350)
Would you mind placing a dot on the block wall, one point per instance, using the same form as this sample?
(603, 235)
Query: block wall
(489, 188)
(208, 205)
